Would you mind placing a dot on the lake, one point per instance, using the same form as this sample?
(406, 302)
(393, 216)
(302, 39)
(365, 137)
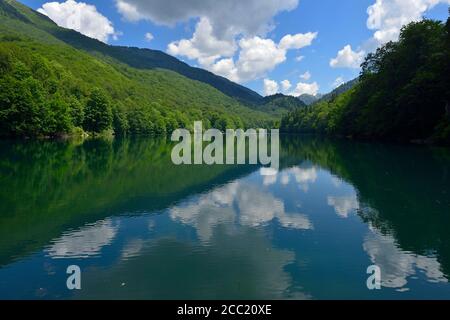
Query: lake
(140, 227)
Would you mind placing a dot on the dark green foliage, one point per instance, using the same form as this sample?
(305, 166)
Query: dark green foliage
(322, 117)
(403, 92)
(98, 113)
(59, 117)
(140, 121)
(280, 104)
(21, 101)
(120, 121)
(76, 110)
(5, 61)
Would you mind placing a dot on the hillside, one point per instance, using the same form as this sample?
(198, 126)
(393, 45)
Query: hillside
(339, 90)
(309, 99)
(133, 57)
(54, 80)
(403, 93)
(279, 104)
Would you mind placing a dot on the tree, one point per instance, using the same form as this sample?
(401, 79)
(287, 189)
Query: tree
(76, 112)
(58, 120)
(22, 108)
(98, 114)
(5, 61)
(120, 121)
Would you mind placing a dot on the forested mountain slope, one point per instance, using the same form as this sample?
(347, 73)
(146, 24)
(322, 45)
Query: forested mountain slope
(134, 57)
(279, 104)
(339, 90)
(52, 84)
(403, 92)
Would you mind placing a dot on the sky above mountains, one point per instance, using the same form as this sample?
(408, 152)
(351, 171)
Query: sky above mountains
(288, 46)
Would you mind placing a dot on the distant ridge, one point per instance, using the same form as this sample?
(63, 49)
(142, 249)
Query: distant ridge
(279, 104)
(134, 57)
(309, 99)
(339, 90)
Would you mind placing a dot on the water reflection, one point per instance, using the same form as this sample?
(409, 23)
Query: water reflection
(343, 205)
(242, 202)
(84, 243)
(142, 228)
(399, 265)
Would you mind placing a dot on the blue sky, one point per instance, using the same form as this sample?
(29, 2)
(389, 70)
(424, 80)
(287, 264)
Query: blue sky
(242, 40)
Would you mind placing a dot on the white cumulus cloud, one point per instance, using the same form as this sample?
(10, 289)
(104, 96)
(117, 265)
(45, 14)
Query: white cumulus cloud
(149, 36)
(225, 40)
(226, 68)
(203, 46)
(81, 17)
(226, 16)
(387, 17)
(270, 87)
(306, 76)
(347, 58)
(129, 11)
(297, 41)
(286, 85)
(257, 57)
(251, 59)
(306, 88)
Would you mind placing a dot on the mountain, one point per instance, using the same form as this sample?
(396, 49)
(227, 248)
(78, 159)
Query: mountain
(279, 104)
(133, 57)
(54, 80)
(339, 90)
(309, 99)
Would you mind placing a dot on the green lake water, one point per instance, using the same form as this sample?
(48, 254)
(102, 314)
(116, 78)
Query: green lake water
(140, 227)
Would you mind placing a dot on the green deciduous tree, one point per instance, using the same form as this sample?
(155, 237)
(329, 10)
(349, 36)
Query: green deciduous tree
(98, 113)
(120, 121)
(76, 110)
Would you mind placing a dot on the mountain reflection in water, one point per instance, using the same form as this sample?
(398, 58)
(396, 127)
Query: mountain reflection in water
(142, 228)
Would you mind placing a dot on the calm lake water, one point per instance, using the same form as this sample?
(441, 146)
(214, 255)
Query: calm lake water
(142, 228)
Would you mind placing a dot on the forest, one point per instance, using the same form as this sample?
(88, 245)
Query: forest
(403, 93)
(56, 82)
(49, 91)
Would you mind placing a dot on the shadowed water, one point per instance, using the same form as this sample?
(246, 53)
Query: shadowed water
(142, 228)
